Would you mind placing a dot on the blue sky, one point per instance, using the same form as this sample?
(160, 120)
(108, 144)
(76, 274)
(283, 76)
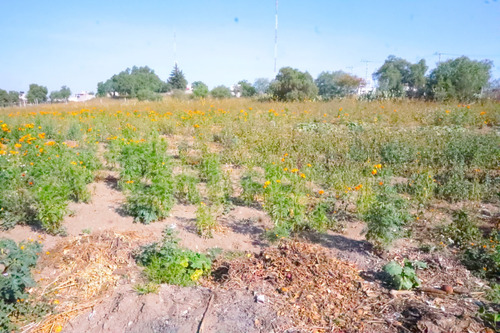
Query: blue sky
(221, 42)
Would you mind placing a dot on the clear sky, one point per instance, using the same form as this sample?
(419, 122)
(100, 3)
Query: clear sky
(78, 44)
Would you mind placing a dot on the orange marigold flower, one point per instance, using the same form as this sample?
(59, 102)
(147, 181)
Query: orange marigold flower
(321, 192)
(374, 172)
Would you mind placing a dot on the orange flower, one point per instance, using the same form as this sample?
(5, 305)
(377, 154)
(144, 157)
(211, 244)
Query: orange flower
(303, 175)
(321, 192)
(374, 172)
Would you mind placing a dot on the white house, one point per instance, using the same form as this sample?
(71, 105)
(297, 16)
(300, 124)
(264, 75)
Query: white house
(81, 97)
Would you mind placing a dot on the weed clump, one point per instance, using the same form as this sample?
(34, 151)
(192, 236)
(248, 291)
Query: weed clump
(167, 262)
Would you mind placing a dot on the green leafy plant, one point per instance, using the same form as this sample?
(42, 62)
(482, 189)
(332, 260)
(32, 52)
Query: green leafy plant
(462, 230)
(250, 187)
(404, 276)
(17, 261)
(167, 262)
(205, 220)
(186, 190)
(385, 217)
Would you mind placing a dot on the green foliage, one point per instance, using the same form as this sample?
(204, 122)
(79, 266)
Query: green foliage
(337, 84)
(186, 190)
(483, 257)
(396, 152)
(176, 80)
(261, 86)
(130, 81)
(146, 176)
(61, 95)
(422, 186)
(8, 98)
(37, 94)
(17, 261)
(453, 185)
(459, 79)
(250, 187)
(166, 262)
(399, 77)
(490, 317)
(147, 288)
(321, 217)
(405, 276)
(246, 89)
(200, 89)
(293, 85)
(147, 95)
(221, 92)
(463, 230)
(385, 217)
(205, 220)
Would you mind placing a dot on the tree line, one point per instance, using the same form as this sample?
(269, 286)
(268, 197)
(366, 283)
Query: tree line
(460, 79)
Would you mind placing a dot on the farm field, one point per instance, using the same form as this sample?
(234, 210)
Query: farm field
(247, 216)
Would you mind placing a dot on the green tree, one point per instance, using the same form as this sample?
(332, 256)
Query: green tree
(62, 94)
(177, 79)
(261, 85)
(37, 94)
(293, 85)
(337, 84)
(13, 97)
(401, 78)
(459, 79)
(200, 89)
(4, 98)
(130, 81)
(221, 92)
(246, 89)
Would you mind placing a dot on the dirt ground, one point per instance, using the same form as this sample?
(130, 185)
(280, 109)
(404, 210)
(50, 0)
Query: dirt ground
(201, 309)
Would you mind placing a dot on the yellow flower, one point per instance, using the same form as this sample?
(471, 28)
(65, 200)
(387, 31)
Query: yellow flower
(302, 175)
(309, 164)
(58, 329)
(374, 172)
(196, 126)
(73, 162)
(18, 145)
(129, 181)
(41, 135)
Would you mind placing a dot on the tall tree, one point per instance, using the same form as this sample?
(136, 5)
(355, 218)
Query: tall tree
(261, 85)
(177, 79)
(200, 89)
(461, 79)
(246, 89)
(61, 95)
(37, 94)
(130, 81)
(337, 84)
(293, 85)
(400, 77)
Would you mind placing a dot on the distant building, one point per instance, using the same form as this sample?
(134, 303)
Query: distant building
(81, 97)
(367, 88)
(23, 100)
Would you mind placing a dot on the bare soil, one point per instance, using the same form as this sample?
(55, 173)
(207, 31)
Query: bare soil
(198, 309)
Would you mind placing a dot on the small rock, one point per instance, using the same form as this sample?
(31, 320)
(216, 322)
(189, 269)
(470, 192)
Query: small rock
(485, 212)
(260, 298)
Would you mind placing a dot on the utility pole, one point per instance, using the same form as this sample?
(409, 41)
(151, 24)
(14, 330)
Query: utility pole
(276, 38)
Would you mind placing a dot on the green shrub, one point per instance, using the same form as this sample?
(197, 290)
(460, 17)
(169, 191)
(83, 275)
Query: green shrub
(385, 217)
(149, 203)
(205, 220)
(186, 190)
(396, 152)
(166, 262)
(463, 230)
(250, 187)
(422, 186)
(16, 306)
